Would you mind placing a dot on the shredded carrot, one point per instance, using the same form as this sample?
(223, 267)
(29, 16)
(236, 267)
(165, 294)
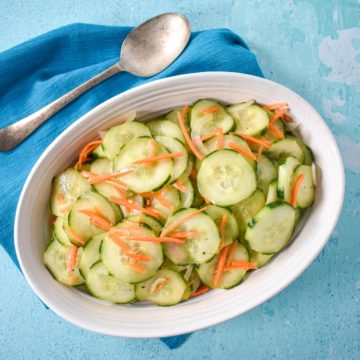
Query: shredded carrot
(97, 219)
(163, 239)
(242, 151)
(201, 290)
(296, 188)
(87, 149)
(159, 286)
(220, 265)
(118, 189)
(210, 135)
(72, 259)
(138, 257)
(223, 223)
(219, 143)
(184, 234)
(122, 245)
(178, 185)
(259, 153)
(152, 147)
(276, 131)
(136, 267)
(159, 157)
(129, 205)
(178, 222)
(211, 110)
(287, 118)
(245, 264)
(231, 252)
(278, 114)
(207, 202)
(254, 140)
(185, 110)
(192, 146)
(275, 106)
(75, 236)
(101, 178)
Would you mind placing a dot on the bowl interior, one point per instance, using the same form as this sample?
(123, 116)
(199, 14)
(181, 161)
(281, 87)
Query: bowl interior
(32, 235)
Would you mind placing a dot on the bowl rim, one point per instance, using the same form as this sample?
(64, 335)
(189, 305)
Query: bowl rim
(210, 321)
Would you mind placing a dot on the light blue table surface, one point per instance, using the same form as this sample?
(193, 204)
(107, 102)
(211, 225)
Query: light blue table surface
(311, 46)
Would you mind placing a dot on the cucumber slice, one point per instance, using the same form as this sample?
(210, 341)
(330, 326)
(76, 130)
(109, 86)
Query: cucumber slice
(204, 123)
(306, 193)
(259, 258)
(231, 229)
(171, 292)
(192, 284)
(119, 264)
(162, 127)
(229, 279)
(247, 209)
(266, 173)
(308, 156)
(145, 178)
(148, 220)
(56, 258)
(133, 199)
(168, 264)
(167, 203)
(60, 233)
(187, 196)
(197, 249)
(117, 136)
(251, 120)
(269, 135)
(81, 224)
(179, 164)
(272, 195)
(284, 148)
(66, 188)
(271, 228)
(285, 180)
(172, 116)
(98, 152)
(225, 178)
(90, 254)
(101, 284)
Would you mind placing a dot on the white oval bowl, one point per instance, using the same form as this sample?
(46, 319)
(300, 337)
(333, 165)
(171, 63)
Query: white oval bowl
(145, 320)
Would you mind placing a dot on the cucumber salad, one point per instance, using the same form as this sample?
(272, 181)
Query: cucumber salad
(164, 210)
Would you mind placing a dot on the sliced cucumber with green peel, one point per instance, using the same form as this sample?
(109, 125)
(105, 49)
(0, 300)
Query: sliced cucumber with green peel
(118, 136)
(101, 284)
(172, 116)
(168, 264)
(165, 288)
(259, 258)
(247, 209)
(199, 248)
(231, 229)
(82, 225)
(60, 232)
(225, 178)
(163, 127)
(269, 135)
(187, 196)
(284, 148)
(148, 220)
(173, 146)
(251, 120)
(145, 178)
(308, 156)
(56, 260)
(306, 194)
(230, 278)
(132, 199)
(266, 173)
(120, 265)
(98, 152)
(285, 178)
(66, 188)
(202, 123)
(90, 254)
(272, 195)
(271, 228)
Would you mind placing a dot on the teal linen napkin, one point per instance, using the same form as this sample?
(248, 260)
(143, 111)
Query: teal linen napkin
(40, 70)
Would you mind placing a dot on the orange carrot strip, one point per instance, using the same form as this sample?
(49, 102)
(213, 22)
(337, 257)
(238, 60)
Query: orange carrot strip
(156, 239)
(219, 143)
(287, 118)
(178, 185)
(210, 135)
(207, 202)
(241, 150)
(185, 110)
(125, 203)
(244, 264)
(192, 146)
(159, 157)
(278, 114)
(211, 110)
(224, 221)
(260, 150)
(159, 286)
(178, 222)
(75, 236)
(276, 131)
(101, 178)
(184, 234)
(254, 140)
(87, 149)
(136, 267)
(60, 197)
(97, 219)
(138, 257)
(275, 106)
(123, 246)
(231, 252)
(152, 144)
(296, 189)
(201, 290)
(220, 265)
(72, 258)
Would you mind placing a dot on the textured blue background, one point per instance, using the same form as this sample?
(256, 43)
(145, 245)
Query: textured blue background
(311, 46)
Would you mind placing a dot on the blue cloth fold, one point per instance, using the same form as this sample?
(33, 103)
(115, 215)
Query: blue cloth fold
(44, 68)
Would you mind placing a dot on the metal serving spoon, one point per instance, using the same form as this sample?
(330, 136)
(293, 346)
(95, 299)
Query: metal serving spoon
(146, 51)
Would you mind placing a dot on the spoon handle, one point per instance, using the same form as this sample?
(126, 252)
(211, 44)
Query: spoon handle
(14, 134)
